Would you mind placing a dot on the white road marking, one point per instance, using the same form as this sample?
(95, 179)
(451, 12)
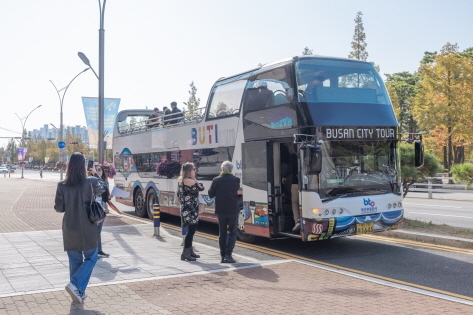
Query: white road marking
(436, 206)
(440, 215)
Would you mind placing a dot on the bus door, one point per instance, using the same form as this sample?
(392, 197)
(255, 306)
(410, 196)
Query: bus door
(260, 194)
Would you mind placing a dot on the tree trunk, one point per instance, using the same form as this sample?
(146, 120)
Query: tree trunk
(445, 164)
(449, 149)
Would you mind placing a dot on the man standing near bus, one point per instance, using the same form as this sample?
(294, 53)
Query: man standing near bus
(225, 190)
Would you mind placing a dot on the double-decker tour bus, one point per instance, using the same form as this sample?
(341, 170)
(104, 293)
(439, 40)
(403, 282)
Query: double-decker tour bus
(333, 114)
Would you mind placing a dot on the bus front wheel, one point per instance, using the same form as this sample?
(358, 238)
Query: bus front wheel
(140, 209)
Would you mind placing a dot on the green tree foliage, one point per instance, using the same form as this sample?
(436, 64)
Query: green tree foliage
(307, 51)
(411, 174)
(402, 88)
(193, 103)
(463, 173)
(12, 150)
(443, 104)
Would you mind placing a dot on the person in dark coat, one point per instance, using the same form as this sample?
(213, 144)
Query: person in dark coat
(225, 190)
(177, 114)
(100, 173)
(80, 235)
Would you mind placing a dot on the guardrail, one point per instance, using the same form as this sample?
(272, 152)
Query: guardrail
(429, 187)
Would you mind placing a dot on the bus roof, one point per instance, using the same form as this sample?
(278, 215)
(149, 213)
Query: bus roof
(289, 60)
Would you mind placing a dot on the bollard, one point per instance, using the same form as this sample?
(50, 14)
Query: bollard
(156, 219)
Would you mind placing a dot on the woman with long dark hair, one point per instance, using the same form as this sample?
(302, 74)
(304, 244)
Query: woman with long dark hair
(188, 194)
(104, 198)
(80, 235)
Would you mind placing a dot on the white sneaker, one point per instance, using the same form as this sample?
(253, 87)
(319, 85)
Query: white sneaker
(84, 295)
(296, 227)
(74, 292)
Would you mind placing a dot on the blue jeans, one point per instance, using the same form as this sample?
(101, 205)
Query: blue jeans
(81, 264)
(100, 235)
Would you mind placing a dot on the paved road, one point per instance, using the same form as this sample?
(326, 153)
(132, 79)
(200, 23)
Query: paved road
(145, 275)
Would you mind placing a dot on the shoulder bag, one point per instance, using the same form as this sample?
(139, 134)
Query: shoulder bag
(95, 209)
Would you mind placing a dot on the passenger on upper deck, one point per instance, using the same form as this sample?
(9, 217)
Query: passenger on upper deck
(166, 116)
(310, 90)
(177, 114)
(154, 119)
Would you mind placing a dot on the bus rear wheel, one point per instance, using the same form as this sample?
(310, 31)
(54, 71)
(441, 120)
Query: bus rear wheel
(140, 209)
(152, 199)
(242, 236)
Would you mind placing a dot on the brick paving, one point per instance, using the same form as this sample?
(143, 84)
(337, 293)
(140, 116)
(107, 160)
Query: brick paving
(144, 275)
(28, 205)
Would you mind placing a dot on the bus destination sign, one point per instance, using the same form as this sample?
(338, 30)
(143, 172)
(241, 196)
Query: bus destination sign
(362, 133)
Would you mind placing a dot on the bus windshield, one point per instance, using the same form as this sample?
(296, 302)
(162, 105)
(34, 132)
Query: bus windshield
(355, 168)
(340, 81)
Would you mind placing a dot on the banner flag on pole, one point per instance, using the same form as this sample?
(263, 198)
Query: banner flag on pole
(91, 111)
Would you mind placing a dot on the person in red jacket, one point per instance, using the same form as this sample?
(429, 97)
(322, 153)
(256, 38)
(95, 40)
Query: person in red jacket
(225, 190)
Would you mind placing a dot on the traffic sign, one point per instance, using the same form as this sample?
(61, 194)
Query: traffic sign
(61, 144)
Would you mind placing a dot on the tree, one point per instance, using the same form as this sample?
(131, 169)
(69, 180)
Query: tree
(463, 173)
(307, 51)
(358, 44)
(193, 103)
(409, 173)
(12, 149)
(444, 102)
(402, 88)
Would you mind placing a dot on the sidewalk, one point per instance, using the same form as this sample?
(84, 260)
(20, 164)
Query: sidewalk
(144, 274)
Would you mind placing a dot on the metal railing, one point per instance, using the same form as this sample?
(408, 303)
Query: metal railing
(164, 121)
(445, 186)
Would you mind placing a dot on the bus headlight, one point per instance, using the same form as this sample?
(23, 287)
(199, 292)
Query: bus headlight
(316, 211)
(399, 205)
(394, 205)
(389, 206)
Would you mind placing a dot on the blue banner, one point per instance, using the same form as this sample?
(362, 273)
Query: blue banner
(91, 111)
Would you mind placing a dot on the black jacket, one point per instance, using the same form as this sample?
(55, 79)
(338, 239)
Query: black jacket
(78, 232)
(225, 190)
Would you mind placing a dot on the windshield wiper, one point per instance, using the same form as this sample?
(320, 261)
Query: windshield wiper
(330, 198)
(368, 189)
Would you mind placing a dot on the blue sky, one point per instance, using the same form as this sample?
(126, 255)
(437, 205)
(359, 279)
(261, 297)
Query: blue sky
(154, 49)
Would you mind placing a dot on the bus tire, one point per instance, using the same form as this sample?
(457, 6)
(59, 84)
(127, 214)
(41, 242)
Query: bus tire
(152, 198)
(242, 236)
(139, 202)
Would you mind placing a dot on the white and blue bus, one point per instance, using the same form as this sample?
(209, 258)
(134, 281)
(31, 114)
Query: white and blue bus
(336, 113)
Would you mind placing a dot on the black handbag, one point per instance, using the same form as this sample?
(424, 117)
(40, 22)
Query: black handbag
(95, 209)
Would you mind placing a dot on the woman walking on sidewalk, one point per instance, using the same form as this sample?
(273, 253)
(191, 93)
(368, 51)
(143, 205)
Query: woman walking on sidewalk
(80, 235)
(188, 194)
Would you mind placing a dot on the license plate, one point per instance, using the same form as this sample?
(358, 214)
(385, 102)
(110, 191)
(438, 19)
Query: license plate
(364, 228)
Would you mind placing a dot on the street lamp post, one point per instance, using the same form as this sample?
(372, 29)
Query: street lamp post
(100, 77)
(23, 130)
(61, 102)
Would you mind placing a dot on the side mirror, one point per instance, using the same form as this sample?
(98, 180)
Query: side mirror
(313, 159)
(418, 154)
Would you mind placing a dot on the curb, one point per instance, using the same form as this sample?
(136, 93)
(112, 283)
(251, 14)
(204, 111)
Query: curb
(430, 238)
